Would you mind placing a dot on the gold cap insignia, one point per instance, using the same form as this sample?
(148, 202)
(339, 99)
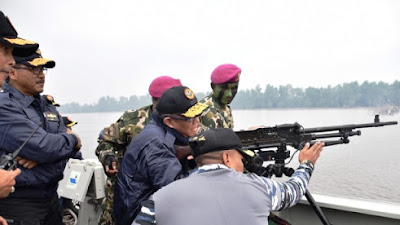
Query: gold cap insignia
(189, 93)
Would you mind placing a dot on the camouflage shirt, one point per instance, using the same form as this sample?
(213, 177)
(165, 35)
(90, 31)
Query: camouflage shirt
(119, 135)
(115, 140)
(216, 115)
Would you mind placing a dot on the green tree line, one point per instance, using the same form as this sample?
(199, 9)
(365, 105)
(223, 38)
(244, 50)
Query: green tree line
(353, 94)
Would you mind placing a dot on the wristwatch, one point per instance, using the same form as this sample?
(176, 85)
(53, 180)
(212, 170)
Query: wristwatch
(309, 163)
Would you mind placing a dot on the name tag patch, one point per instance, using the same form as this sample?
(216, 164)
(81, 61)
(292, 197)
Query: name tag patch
(50, 116)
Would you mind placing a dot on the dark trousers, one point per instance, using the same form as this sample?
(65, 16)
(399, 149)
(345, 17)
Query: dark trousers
(24, 211)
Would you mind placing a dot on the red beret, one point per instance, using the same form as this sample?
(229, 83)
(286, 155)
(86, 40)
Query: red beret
(225, 73)
(159, 85)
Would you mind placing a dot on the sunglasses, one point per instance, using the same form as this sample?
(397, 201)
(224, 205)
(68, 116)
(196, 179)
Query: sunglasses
(35, 70)
(190, 120)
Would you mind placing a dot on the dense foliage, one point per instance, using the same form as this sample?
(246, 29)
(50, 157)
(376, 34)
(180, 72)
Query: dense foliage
(367, 94)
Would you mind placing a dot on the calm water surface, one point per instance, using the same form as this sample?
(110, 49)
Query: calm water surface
(365, 168)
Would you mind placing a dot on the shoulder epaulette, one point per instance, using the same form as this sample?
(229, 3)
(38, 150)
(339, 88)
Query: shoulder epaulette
(50, 100)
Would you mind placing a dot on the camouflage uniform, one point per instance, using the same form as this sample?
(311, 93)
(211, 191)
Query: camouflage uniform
(216, 115)
(116, 139)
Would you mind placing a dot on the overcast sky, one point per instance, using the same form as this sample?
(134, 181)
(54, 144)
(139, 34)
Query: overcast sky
(118, 47)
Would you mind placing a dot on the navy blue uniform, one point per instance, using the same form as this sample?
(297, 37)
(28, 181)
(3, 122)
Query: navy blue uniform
(149, 163)
(50, 146)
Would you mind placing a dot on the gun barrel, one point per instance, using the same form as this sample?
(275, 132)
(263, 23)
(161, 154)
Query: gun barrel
(346, 127)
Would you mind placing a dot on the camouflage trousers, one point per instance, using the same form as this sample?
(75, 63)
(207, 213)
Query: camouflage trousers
(107, 217)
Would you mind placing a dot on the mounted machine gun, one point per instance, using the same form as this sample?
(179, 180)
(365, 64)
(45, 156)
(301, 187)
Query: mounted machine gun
(294, 135)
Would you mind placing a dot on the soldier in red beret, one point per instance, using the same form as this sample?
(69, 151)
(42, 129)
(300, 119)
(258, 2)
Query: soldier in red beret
(115, 139)
(224, 83)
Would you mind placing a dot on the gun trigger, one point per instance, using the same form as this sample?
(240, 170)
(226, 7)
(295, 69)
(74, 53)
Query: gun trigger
(301, 145)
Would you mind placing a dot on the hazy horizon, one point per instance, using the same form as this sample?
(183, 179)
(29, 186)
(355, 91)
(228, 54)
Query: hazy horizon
(200, 94)
(116, 48)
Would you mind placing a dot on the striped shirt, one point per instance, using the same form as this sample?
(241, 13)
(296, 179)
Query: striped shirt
(225, 196)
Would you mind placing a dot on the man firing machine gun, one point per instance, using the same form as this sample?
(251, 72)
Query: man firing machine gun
(294, 135)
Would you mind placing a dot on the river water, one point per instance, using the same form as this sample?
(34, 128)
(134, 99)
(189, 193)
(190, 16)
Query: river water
(365, 168)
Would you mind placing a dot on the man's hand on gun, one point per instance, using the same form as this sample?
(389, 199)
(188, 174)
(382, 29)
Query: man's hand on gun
(3, 221)
(311, 153)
